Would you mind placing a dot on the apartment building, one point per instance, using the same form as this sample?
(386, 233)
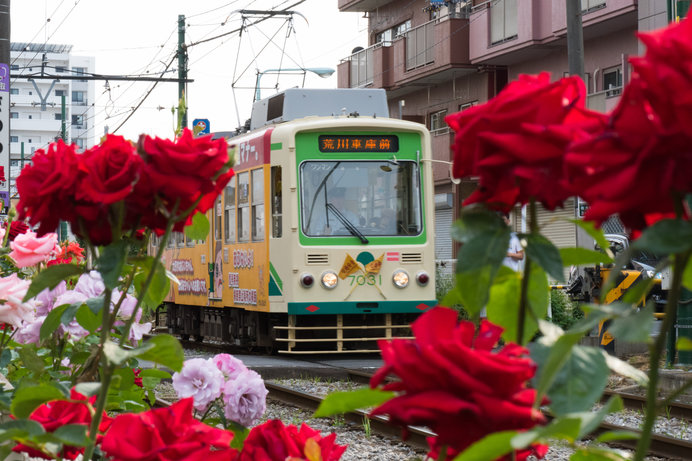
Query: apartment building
(437, 57)
(48, 73)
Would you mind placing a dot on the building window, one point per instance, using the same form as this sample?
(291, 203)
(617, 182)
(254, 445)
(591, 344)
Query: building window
(229, 212)
(14, 90)
(78, 96)
(588, 5)
(79, 142)
(60, 93)
(14, 138)
(31, 117)
(57, 116)
(437, 122)
(59, 69)
(612, 81)
(14, 67)
(257, 205)
(394, 32)
(78, 120)
(14, 163)
(79, 71)
(467, 105)
(14, 114)
(503, 21)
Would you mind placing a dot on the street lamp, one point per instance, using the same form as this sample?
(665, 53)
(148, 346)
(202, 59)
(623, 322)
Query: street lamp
(323, 72)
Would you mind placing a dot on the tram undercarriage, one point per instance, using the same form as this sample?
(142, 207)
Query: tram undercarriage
(287, 334)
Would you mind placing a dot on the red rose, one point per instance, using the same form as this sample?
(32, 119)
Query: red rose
(515, 143)
(452, 382)
(665, 72)
(58, 413)
(272, 441)
(138, 379)
(166, 434)
(635, 167)
(109, 171)
(47, 186)
(185, 170)
(16, 228)
(107, 174)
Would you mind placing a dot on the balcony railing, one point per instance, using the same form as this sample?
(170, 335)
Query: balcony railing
(420, 45)
(603, 101)
(362, 66)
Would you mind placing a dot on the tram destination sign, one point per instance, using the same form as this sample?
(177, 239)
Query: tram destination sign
(358, 143)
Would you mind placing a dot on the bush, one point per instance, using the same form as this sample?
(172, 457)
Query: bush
(565, 311)
(445, 282)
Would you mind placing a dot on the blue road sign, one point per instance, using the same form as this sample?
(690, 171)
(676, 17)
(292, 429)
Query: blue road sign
(200, 126)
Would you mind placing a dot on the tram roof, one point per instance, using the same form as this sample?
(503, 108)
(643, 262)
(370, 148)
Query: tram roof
(297, 103)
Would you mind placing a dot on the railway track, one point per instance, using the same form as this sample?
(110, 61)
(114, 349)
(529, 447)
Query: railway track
(661, 445)
(378, 424)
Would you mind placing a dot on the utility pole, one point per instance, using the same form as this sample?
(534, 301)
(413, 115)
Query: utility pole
(5, 103)
(182, 68)
(575, 38)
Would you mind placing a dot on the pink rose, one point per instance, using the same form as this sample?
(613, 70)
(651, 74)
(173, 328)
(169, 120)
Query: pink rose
(12, 309)
(29, 250)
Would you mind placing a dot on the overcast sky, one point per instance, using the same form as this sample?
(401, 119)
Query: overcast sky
(130, 37)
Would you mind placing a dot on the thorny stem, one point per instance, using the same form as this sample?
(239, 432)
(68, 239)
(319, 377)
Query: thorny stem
(670, 313)
(523, 299)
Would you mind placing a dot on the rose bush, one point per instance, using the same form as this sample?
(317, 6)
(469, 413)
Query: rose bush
(451, 381)
(72, 338)
(73, 326)
(535, 142)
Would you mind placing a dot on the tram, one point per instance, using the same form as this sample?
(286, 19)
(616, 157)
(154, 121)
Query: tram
(322, 242)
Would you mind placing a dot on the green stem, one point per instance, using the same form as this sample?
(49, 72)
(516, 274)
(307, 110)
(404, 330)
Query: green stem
(524, 295)
(107, 374)
(147, 282)
(659, 345)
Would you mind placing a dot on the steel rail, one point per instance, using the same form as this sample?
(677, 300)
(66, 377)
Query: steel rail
(636, 402)
(416, 438)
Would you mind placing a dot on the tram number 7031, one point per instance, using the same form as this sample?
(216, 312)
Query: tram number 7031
(370, 279)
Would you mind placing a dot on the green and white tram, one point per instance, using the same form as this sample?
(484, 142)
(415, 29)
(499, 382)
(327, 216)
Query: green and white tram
(323, 240)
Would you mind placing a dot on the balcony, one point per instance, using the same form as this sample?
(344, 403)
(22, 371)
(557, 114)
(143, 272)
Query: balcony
(531, 29)
(603, 101)
(348, 6)
(35, 124)
(441, 141)
(431, 53)
(599, 17)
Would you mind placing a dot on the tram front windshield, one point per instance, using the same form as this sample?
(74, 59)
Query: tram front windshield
(372, 198)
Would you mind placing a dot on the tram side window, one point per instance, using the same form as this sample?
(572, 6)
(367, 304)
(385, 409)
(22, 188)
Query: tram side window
(243, 207)
(258, 205)
(276, 202)
(218, 217)
(229, 212)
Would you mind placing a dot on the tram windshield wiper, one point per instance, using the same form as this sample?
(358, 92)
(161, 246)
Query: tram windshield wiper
(347, 224)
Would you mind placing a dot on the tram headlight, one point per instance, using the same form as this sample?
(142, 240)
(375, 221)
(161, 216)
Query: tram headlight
(307, 280)
(330, 280)
(422, 278)
(400, 279)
